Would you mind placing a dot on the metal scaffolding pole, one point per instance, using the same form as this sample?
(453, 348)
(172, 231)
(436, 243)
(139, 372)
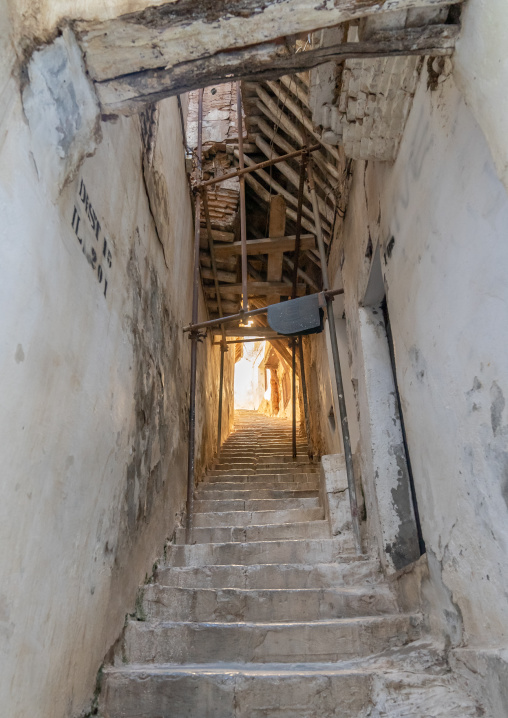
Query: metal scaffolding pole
(293, 365)
(337, 370)
(223, 350)
(194, 335)
(243, 211)
(305, 397)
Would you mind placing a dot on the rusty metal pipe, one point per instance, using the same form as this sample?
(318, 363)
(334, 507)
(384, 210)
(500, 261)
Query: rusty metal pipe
(243, 211)
(241, 315)
(194, 335)
(259, 166)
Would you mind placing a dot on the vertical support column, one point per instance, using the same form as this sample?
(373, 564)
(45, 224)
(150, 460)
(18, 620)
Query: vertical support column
(194, 334)
(293, 362)
(243, 219)
(305, 397)
(223, 350)
(337, 370)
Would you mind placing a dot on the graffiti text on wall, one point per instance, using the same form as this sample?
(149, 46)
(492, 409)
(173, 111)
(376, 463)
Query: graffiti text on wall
(94, 245)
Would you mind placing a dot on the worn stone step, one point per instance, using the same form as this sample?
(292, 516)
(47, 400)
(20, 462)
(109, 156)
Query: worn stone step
(347, 689)
(270, 478)
(163, 603)
(224, 691)
(256, 642)
(318, 529)
(235, 485)
(213, 493)
(263, 469)
(286, 551)
(346, 572)
(207, 506)
(257, 518)
(271, 466)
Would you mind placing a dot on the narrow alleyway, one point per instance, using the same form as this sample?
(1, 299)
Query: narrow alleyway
(263, 613)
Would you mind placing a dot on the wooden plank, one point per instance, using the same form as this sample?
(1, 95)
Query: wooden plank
(178, 32)
(249, 332)
(262, 246)
(217, 235)
(222, 276)
(124, 87)
(326, 212)
(260, 288)
(278, 188)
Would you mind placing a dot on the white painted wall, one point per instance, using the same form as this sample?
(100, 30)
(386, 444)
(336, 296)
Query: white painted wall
(94, 398)
(481, 72)
(447, 211)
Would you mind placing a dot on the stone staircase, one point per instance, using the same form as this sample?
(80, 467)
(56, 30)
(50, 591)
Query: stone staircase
(265, 614)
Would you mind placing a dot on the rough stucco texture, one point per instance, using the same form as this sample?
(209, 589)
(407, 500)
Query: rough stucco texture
(94, 400)
(440, 214)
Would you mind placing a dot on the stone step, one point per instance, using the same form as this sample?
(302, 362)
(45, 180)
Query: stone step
(207, 506)
(268, 477)
(256, 642)
(352, 572)
(268, 466)
(268, 458)
(347, 689)
(264, 469)
(256, 518)
(275, 552)
(218, 493)
(234, 485)
(319, 529)
(163, 603)
(224, 691)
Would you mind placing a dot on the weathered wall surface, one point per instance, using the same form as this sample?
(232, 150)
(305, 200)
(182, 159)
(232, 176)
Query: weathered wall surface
(481, 72)
(95, 287)
(439, 216)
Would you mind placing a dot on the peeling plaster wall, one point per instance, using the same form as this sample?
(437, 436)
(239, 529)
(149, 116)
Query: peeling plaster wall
(440, 217)
(94, 394)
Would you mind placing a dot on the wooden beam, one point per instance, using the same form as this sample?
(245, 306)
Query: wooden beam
(217, 235)
(292, 176)
(131, 71)
(300, 114)
(324, 165)
(276, 228)
(260, 288)
(172, 33)
(292, 82)
(263, 332)
(263, 246)
(279, 189)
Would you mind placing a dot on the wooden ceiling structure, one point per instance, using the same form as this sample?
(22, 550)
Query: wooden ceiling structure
(278, 122)
(173, 47)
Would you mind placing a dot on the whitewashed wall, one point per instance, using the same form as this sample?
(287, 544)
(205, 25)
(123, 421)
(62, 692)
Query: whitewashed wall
(94, 381)
(446, 209)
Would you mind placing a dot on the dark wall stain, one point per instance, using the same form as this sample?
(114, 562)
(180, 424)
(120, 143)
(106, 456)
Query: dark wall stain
(405, 549)
(497, 407)
(157, 352)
